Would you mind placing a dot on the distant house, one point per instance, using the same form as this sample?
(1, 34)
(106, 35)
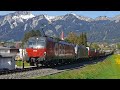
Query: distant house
(18, 52)
(4, 50)
(17, 44)
(7, 50)
(117, 52)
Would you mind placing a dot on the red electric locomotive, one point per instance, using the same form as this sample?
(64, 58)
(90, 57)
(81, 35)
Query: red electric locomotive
(48, 51)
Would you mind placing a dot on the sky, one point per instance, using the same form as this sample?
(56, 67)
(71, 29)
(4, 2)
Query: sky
(92, 14)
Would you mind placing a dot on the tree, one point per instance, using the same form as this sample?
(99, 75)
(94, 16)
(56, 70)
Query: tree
(38, 33)
(95, 46)
(79, 40)
(32, 33)
(72, 38)
(118, 46)
(82, 39)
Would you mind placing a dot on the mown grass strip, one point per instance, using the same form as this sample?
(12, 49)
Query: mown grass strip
(20, 63)
(108, 69)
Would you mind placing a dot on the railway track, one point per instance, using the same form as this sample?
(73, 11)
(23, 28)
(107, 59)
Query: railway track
(18, 70)
(42, 71)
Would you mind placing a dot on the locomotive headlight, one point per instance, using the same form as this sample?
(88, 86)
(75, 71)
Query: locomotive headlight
(44, 53)
(38, 46)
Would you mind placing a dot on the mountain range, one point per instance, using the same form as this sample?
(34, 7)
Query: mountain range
(101, 29)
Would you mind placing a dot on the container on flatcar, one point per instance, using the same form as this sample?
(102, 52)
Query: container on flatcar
(82, 52)
(91, 52)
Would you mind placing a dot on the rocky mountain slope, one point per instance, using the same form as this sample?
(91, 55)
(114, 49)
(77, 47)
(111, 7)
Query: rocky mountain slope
(100, 29)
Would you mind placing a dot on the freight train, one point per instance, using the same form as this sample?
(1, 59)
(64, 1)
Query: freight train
(48, 51)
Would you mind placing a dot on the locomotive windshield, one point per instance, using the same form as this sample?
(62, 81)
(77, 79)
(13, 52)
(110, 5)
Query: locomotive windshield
(36, 43)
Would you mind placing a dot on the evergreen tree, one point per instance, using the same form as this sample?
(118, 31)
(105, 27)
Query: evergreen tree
(80, 39)
(84, 39)
(38, 33)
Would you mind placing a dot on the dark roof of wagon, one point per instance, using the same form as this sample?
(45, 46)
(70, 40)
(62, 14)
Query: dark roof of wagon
(66, 43)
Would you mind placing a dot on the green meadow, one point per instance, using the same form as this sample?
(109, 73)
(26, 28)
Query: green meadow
(107, 69)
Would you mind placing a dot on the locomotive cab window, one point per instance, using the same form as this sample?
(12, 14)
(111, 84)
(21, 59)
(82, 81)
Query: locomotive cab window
(37, 43)
(41, 43)
(31, 43)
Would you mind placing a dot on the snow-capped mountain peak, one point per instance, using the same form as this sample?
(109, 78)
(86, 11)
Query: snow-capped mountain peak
(102, 18)
(27, 16)
(22, 15)
(73, 15)
(49, 17)
(116, 18)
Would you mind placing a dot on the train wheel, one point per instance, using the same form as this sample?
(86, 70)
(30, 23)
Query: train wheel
(36, 64)
(46, 64)
(32, 64)
(51, 65)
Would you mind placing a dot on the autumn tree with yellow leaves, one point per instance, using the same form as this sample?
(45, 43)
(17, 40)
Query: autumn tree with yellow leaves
(80, 40)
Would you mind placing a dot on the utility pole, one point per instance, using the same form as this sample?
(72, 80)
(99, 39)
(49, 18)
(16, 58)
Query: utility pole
(23, 58)
(62, 35)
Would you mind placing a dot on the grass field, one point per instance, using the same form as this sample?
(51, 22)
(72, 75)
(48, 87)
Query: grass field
(107, 69)
(20, 63)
